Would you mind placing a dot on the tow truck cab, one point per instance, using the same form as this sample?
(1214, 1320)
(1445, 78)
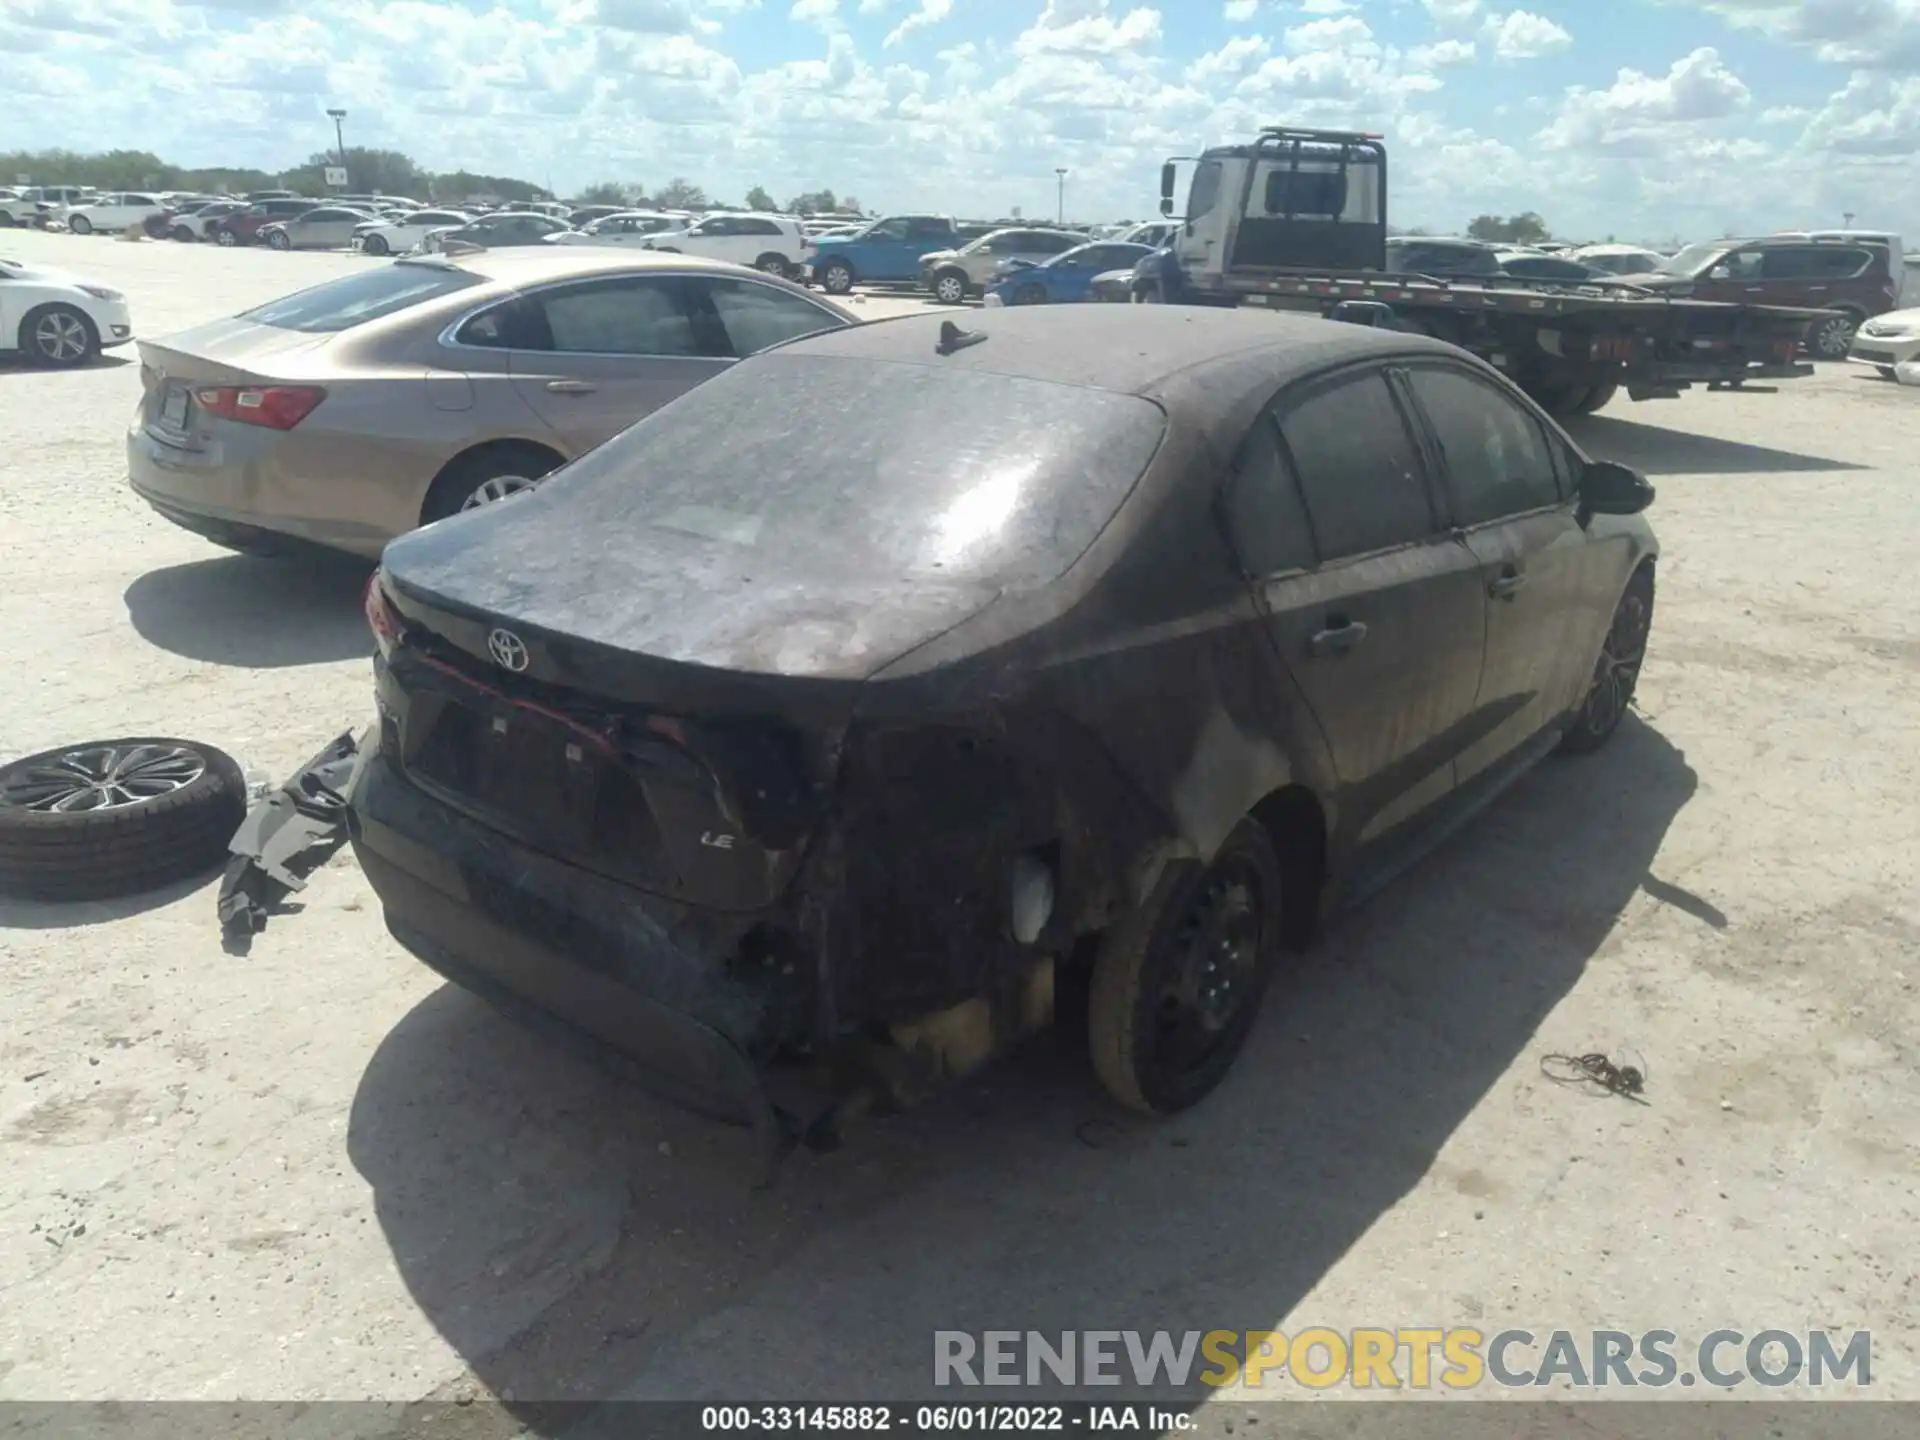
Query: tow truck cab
(1291, 200)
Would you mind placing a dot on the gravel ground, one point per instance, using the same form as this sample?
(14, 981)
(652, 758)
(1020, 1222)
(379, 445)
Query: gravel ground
(314, 1172)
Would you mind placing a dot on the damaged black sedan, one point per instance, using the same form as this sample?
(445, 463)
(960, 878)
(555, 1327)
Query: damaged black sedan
(800, 742)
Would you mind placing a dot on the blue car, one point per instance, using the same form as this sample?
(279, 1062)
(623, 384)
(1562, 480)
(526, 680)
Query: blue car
(1065, 279)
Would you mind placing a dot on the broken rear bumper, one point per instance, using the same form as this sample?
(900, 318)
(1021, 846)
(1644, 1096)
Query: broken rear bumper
(575, 954)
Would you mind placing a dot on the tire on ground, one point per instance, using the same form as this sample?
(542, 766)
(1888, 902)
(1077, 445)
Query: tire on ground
(1122, 1010)
(155, 837)
(1597, 397)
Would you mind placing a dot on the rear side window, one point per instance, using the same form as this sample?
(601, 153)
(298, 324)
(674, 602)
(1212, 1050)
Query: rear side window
(1495, 454)
(1312, 194)
(355, 299)
(1271, 532)
(1360, 473)
(1840, 264)
(756, 316)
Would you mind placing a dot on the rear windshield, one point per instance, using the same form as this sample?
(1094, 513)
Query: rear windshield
(356, 299)
(868, 469)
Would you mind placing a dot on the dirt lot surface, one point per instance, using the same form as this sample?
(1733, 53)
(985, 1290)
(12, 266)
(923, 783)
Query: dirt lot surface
(315, 1172)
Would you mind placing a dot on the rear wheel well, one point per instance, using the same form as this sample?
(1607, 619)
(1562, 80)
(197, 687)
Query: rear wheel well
(1296, 824)
(459, 475)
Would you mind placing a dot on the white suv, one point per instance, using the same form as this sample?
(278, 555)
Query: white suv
(777, 244)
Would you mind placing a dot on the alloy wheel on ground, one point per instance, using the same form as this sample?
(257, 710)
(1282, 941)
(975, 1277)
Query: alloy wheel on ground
(102, 777)
(60, 337)
(950, 289)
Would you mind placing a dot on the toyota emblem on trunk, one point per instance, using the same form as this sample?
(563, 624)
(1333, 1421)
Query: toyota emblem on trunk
(509, 651)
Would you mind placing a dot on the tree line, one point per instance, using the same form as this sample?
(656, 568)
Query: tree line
(382, 172)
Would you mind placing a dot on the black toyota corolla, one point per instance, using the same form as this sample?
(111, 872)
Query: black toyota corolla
(798, 742)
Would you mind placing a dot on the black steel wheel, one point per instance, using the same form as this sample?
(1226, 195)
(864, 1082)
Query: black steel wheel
(1177, 984)
(1616, 672)
(116, 817)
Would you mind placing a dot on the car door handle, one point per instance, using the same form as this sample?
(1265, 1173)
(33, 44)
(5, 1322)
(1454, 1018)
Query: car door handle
(572, 387)
(1507, 586)
(1338, 638)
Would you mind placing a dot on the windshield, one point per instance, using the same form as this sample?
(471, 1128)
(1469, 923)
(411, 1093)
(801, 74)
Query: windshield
(783, 458)
(355, 299)
(1692, 260)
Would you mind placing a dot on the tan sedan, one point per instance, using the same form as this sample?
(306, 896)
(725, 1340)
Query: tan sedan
(352, 412)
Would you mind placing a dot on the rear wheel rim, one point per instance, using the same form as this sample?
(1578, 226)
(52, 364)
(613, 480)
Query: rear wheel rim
(500, 487)
(102, 777)
(1212, 971)
(60, 336)
(951, 290)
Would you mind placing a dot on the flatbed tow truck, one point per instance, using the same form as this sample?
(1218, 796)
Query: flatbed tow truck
(1297, 220)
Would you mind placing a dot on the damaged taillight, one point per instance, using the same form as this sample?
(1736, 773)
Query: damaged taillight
(382, 618)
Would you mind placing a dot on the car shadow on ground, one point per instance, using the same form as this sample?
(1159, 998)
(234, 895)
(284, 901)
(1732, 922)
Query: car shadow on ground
(260, 614)
(1657, 451)
(572, 1239)
(14, 365)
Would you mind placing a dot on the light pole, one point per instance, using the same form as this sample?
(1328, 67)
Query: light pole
(339, 118)
(1848, 218)
(1061, 217)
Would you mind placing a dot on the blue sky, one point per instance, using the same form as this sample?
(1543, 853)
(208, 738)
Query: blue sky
(1636, 119)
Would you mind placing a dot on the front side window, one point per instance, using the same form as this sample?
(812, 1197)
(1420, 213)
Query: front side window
(895, 229)
(1360, 472)
(1494, 453)
(1204, 193)
(628, 316)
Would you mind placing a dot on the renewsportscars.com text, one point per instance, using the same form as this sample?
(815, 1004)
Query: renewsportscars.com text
(1404, 1358)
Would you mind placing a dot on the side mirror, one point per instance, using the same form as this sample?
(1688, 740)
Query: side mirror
(1720, 272)
(1168, 173)
(1610, 489)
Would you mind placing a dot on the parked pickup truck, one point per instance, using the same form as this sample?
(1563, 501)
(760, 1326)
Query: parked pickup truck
(1297, 220)
(887, 252)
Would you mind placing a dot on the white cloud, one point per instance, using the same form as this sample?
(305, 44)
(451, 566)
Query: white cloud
(1239, 11)
(814, 10)
(1347, 33)
(1327, 7)
(1452, 13)
(1088, 27)
(931, 12)
(1522, 35)
(1441, 54)
(1231, 61)
(1633, 111)
(1865, 34)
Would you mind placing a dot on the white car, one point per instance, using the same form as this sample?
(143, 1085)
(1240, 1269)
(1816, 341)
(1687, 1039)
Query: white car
(1887, 341)
(777, 244)
(57, 319)
(113, 213)
(399, 235)
(1619, 259)
(624, 227)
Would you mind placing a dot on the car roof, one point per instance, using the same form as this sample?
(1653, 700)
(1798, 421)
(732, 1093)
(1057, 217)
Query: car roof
(1128, 349)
